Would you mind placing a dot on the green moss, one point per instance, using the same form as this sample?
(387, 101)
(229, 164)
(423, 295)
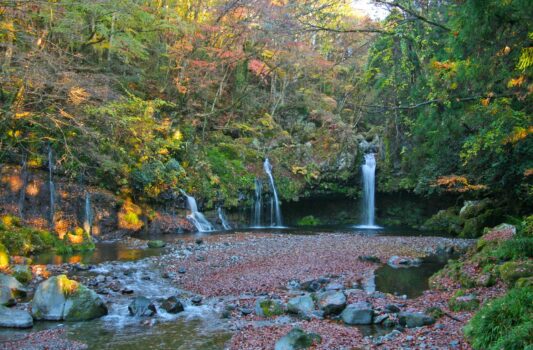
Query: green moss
(517, 248)
(435, 312)
(22, 273)
(156, 244)
(269, 308)
(309, 220)
(511, 271)
(444, 221)
(524, 282)
(503, 323)
(461, 302)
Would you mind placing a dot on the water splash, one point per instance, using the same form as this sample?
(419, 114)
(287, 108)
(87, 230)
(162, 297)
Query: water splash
(223, 219)
(88, 218)
(369, 176)
(276, 219)
(196, 217)
(258, 204)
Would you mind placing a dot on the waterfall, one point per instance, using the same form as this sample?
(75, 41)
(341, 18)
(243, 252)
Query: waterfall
(369, 175)
(258, 204)
(195, 217)
(51, 187)
(223, 219)
(276, 210)
(88, 218)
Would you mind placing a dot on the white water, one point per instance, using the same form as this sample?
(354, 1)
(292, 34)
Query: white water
(88, 219)
(223, 219)
(195, 217)
(369, 184)
(276, 219)
(258, 204)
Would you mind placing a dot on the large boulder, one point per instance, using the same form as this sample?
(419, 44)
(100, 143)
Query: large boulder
(358, 313)
(414, 319)
(173, 305)
(12, 318)
(331, 302)
(297, 339)
(141, 306)
(59, 298)
(10, 289)
(269, 307)
(303, 305)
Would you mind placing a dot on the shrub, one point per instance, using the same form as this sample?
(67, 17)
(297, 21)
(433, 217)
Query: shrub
(503, 323)
(309, 220)
(517, 248)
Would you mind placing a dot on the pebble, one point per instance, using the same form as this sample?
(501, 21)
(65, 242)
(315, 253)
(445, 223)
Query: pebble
(182, 270)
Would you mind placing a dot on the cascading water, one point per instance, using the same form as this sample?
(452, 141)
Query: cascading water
(369, 175)
(51, 187)
(258, 204)
(88, 219)
(195, 217)
(276, 210)
(223, 219)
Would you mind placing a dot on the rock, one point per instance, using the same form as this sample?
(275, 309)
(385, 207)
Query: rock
(293, 285)
(172, 305)
(468, 208)
(524, 282)
(467, 302)
(303, 305)
(16, 288)
(12, 318)
(182, 270)
(358, 313)
(392, 309)
(100, 279)
(59, 298)
(6, 296)
(334, 286)
(331, 302)
(485, 280)
(127, 291)
(512, 271)
(22, 273)
(311, 286)
(156, 244)
(196, 300)
(414, 319)
(141, 306)
(246, 311)
(297, 339)
(380, 319)
(370, 258)
(269, 307)
(396, 262)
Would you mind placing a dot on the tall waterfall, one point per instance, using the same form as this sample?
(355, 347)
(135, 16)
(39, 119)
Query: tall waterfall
(223, 219)
(51, 187)
(195, 217)
(276, 220)
(369, 184)
(258, 204)
(88, 217)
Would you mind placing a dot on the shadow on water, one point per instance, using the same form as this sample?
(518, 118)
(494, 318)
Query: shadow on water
(409, 281)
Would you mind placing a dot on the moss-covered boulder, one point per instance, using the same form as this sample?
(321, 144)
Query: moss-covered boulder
(444, 221)
(297, 339)
(10, 290)
(59, 298)
(156, 244)
(269, 307)
(512, 271)
(22, 273)
(460, 302)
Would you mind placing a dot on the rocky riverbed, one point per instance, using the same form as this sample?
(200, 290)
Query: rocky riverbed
(251, 289)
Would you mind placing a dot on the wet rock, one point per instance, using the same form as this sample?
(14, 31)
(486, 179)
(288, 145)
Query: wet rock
(380, 319)
(173, 305)
(358, 313)
(334, 286)
(269, 307)
(331, 302)
(156, 244)
(246, 311)
(396, 262)
(12, 318)
(182, 270)
(303, 305)
(392, 309)
(311, 286)
(200, 258)
(297, 339)
(293, 285)
(59, 298)
(414, 319)
(6, 296)
(100, 279)
(199, 241)
(10, 288)
(127, 291)
(196, 300)
(142, 306)
(370, 258)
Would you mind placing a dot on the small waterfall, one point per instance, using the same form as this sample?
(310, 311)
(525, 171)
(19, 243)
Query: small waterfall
(369, 175)
(51, 187)
(88, 218)
(223, 219)
(258, 204)
(276, 212)
(195, 217)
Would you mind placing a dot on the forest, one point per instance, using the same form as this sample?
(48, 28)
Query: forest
(287, 123)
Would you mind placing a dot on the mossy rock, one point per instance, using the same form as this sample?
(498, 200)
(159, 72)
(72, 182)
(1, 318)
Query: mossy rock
(297, 339)
(22, 273)
(156, 244)
(444, 221)
(309, 220)
(524, 282)
(463, 303)
(512, 271)
(474, 227)
(269, 307)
